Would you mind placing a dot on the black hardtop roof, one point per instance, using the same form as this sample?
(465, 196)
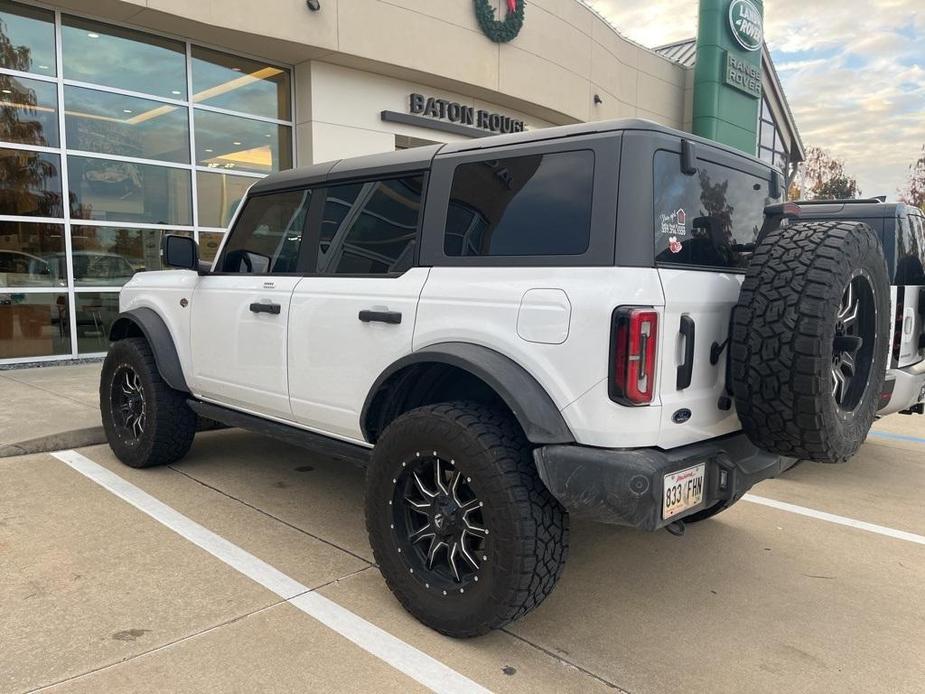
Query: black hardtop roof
(389, 163)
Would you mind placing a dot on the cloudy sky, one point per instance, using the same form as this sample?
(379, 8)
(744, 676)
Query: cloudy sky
(853, 70)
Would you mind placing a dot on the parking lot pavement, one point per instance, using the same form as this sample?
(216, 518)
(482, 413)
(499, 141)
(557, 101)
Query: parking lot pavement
(98, 596)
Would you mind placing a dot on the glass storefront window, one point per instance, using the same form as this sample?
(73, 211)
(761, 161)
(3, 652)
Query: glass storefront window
(117, 105)
(28, 111)
(243, 144)
(95, 313)
(33, 325)
(27, 38)
(109, 123)
(128, 192)
(109, 256)
(30, 183)
(25, 249)
(240, 84)
(219, 196)
(122, 58)
(209, 243)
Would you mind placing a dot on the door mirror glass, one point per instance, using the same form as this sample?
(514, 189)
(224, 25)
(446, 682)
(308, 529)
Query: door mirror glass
(180, 252)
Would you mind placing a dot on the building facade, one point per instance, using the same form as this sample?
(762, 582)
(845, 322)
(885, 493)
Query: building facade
(123, 120)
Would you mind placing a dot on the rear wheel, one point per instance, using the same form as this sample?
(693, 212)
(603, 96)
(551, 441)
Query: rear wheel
(465, 533)
(146, 421)
(809, 340)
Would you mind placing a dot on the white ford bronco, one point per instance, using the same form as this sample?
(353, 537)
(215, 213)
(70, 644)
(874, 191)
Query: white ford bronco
(613, 320)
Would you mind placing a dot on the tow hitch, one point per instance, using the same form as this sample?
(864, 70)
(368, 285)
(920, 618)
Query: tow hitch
(676, 528)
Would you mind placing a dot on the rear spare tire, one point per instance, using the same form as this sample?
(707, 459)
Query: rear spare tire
(809, 340)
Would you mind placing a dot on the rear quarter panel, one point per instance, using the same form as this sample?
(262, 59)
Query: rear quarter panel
(483, 305)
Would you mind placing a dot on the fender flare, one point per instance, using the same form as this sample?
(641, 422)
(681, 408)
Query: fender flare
(537, 414)
(156, 332)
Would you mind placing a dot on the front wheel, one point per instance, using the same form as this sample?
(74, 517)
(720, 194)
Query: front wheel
(465, 533)
(146, 421)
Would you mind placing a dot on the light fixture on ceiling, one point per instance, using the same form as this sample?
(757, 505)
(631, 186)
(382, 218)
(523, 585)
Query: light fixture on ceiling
(176, 92)
(208, 150)
(313, 5)
(236, 69)
(6, 91)
(236, 143)
(43, 67)
(127, 110)
(93, 36)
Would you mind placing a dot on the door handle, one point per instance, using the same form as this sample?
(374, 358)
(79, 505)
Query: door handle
(686, 369)
(370, 316)
(271, 308)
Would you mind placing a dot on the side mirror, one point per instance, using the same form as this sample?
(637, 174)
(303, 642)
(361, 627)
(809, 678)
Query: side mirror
(180, 252)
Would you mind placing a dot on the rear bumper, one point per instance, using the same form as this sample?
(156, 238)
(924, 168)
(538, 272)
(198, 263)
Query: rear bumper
(624, 486)
(904, 388)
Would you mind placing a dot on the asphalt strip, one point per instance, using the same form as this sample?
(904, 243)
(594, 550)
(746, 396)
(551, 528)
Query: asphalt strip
(402, 656)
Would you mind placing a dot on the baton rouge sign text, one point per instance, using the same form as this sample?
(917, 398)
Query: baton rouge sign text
(454, 112)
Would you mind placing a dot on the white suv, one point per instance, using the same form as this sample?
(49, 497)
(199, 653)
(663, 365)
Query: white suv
(614, 320)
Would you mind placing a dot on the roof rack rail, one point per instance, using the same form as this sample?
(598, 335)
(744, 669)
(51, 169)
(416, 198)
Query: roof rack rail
(846, 201)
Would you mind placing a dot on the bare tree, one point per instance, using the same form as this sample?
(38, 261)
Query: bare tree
(914, 191)
(823, 177)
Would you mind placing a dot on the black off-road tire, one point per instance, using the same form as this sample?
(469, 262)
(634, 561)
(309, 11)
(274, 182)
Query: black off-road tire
(528, 542)
(169, 423)
(784, 348)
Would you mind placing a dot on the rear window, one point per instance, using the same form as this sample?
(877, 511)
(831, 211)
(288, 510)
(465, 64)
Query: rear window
(910, 251)
(536, 205)
(709, 219)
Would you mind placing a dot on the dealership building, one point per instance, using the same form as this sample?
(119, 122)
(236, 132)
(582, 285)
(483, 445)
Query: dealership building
(123, 120)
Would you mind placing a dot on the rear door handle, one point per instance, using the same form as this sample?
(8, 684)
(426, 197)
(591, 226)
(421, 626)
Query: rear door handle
(265, 308)
(370, 316)
(686, 369)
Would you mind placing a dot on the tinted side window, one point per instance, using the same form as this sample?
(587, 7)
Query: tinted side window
(710, 218)
(532, 205)
(267, 235)
(370, 228)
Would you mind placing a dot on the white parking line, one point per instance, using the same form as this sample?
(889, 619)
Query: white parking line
(400, 655)
(832, 518)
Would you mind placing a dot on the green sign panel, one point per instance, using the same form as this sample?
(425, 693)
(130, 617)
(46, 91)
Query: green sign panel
(727, 75)
(743, 76)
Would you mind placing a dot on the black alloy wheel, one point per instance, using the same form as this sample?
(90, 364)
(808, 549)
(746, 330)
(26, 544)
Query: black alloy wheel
(463, 530)
(146, 421)
(852, 347)
(438, 523)
(128, 403)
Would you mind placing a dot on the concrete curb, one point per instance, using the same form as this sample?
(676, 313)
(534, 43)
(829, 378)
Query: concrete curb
(77, 438)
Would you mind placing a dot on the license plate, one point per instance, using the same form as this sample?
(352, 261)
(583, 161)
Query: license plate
(683, 490)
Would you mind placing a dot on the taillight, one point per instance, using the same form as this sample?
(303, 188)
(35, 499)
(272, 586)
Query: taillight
(634, 334)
